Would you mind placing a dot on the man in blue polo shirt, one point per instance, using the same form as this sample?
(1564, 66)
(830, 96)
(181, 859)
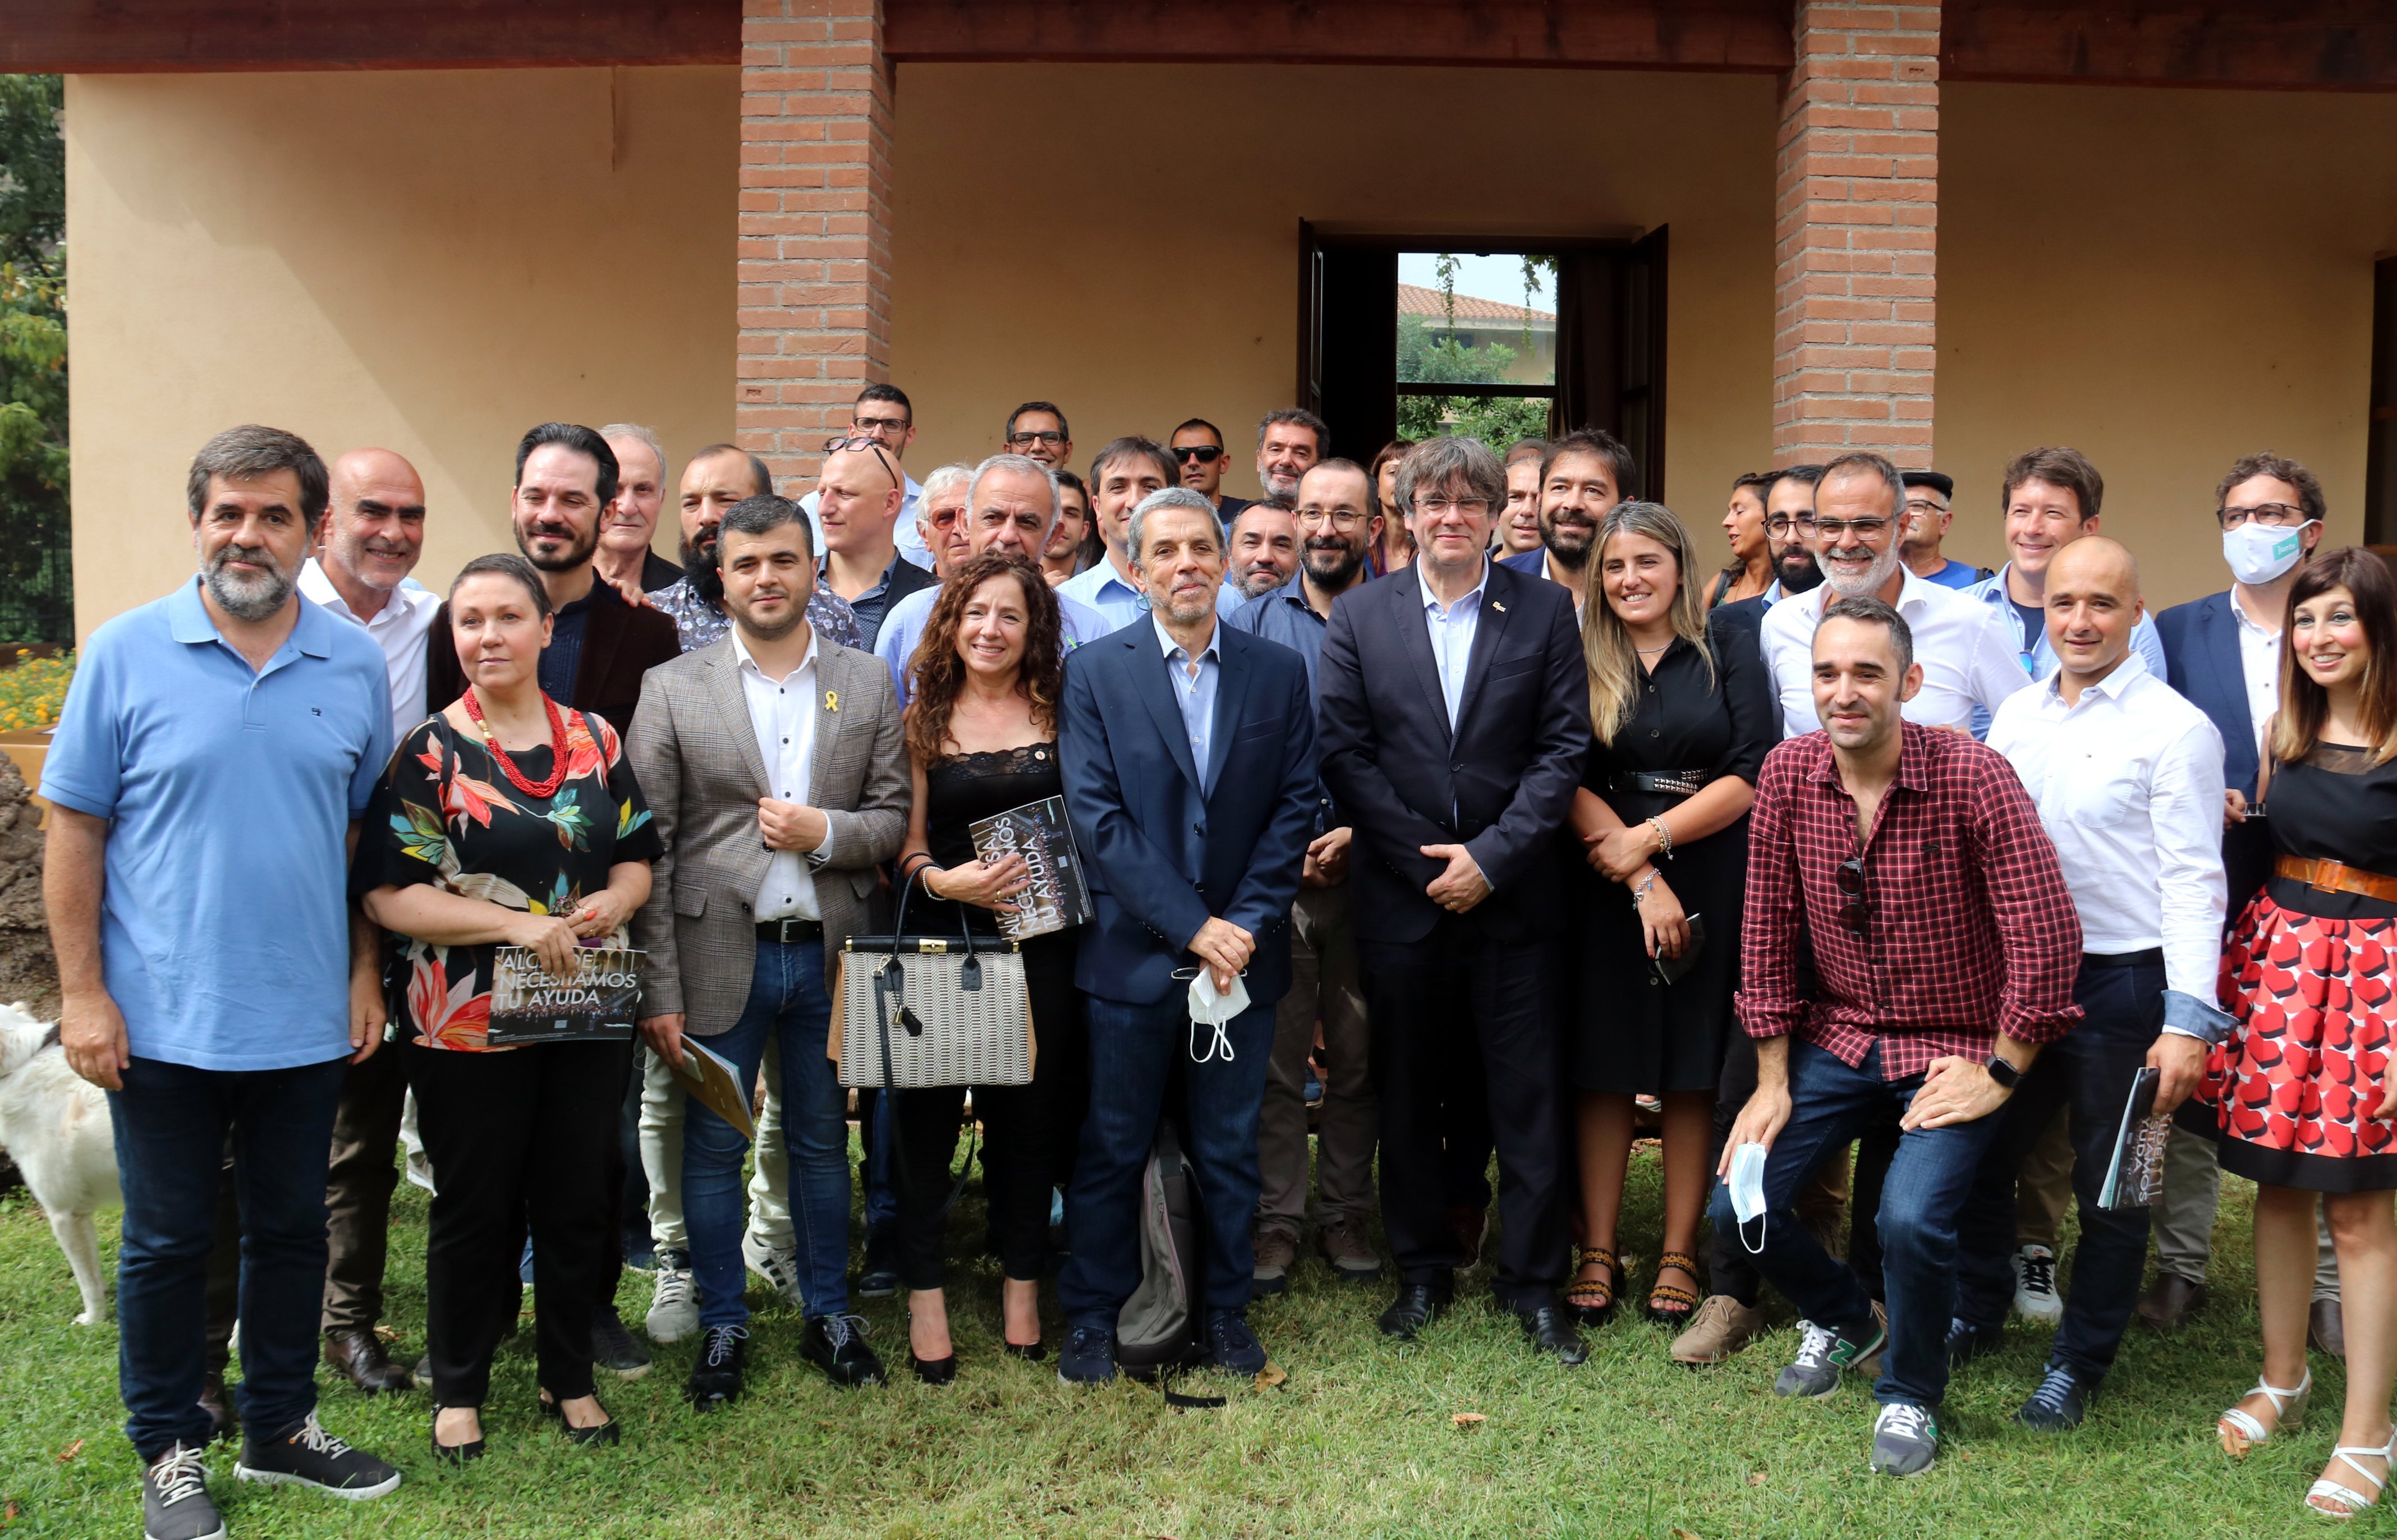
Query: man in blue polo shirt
(1339, 521)
(217, 749)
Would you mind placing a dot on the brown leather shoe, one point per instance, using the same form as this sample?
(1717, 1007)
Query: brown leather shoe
(2170, 1301)
(358, 1354)
(2327, 1328)
(1277, 1253)
(224, 1422)
(1722, 1327)
(1472, 1226)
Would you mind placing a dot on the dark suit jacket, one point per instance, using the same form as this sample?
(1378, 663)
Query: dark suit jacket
(1533, 561)
(1741, 615)
(2201, 642)
(1500, 785)
(1160, 852)
(620, 644)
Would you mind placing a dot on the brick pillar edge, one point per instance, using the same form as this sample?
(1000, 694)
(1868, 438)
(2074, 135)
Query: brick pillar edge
(1855, 234)
(814, 261)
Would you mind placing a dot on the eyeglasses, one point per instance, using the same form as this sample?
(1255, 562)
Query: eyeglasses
(835, 446)
(1049, 438)
(1471, 507)
(1779, 525)
(894, 426)
(1342, 519)
(1831, 529)
(1855, 913)
(1205, 454)
(2279, 516)
(1924, 505)
(941, 518)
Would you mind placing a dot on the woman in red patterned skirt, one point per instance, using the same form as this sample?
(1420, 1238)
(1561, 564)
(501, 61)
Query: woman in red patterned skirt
(2300, 1096)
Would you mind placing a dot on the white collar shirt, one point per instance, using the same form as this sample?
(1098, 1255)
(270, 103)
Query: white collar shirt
(2128, 780)
(783, 715)
(2259, 660)
(1452, 631)
(399, 628)
(1968, 659)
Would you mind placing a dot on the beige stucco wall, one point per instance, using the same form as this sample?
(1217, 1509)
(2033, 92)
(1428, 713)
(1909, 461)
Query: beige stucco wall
(1123, 240)
(429, 262)
(2165, 280)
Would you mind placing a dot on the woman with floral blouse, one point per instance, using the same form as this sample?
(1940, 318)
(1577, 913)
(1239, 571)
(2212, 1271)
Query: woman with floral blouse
(504, 821)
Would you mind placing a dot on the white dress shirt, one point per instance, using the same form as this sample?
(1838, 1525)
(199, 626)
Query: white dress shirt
(399, 628)
(1101, 588)
(783, 713)
(1968, 659)
(1452, 631)
(2260, 659)
(2129, 785)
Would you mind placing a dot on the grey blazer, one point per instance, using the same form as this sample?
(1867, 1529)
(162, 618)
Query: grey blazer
(696, 757)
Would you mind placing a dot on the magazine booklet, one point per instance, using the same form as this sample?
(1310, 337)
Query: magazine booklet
(601, 1002)
(1056, 897)
(2134, 1177)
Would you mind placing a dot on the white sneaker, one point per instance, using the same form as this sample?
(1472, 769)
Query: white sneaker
(778, 1265)
(673, 1308)
(2035, 1296)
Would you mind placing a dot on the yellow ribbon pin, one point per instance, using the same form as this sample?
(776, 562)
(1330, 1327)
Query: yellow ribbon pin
(832, 700)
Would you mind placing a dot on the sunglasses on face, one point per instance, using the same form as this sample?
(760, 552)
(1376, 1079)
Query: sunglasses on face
(1205, 454)
(1854, 913)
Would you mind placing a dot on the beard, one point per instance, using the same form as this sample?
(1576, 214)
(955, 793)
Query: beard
(1868, 583)
(699, 566)
(1283, 486)
(1568, 542)
(1332, 562)
(1259, 580)
(246, 598)
(1797, 571)
(765, 631)
(575, 553)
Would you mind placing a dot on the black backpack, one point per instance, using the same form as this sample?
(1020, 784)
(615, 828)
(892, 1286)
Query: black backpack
(1161, 1327)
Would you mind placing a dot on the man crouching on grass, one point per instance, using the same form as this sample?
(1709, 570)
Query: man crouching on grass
(1938, 1013)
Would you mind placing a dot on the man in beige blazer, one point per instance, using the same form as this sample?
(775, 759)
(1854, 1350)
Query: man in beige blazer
(774, 765)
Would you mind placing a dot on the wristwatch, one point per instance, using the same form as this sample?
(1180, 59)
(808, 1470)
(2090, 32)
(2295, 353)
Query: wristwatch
(2002, 1070)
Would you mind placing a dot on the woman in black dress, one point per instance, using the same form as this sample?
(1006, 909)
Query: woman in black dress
(981, 738)
(1683, 714)
(504, 821)
(2299, 1097)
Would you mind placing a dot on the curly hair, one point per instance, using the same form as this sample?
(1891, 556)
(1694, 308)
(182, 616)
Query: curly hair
(939, 674)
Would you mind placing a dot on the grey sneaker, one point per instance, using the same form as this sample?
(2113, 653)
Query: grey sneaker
(1276, 1251)
(175, 1498)
(1905, 1441)
(613, 1348)
(1822, 1355)
(309, 1457)
(778, 1265)
(673, 1306)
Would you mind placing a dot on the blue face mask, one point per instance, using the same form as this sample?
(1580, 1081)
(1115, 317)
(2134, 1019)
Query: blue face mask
(1747, 1184)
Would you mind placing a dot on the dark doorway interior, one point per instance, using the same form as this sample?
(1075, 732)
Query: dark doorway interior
(1609, 340)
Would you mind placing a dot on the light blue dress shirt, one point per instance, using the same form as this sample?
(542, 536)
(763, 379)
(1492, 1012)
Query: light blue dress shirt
(1452, 631)
(903, 627)
(1101, 588)
(2038, 658)
(1194, 690)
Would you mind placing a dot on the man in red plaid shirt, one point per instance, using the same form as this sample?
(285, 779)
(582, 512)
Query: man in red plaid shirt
(1910, 865)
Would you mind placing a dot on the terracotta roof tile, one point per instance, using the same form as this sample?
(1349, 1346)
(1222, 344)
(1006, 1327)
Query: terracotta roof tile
(1415, 300)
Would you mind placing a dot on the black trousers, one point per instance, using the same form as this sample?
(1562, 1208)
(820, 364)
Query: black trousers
(519, 1136)
(358, 1186)
(1730, 1269)
(1461, 994)
(1029, 1135)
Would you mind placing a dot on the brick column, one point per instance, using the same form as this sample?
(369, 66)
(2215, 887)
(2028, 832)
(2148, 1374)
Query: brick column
(1855, 234)
(814, 264)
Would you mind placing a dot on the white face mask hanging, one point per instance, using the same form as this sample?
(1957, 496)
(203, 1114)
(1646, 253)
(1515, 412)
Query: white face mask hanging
(2258, 553)
(1209, 1008)
(1746, 1186)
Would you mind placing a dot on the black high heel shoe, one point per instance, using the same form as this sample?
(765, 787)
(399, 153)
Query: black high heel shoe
(605, 1434)
(932, 1371)
(456, 1454)
(1030, 1352)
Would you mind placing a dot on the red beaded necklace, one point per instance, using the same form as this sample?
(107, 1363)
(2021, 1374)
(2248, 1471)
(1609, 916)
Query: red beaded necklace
(507, 766)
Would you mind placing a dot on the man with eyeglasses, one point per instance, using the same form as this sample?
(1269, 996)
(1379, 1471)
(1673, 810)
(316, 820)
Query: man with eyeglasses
(1037, 431)
(857, 499)
(1910, 929)
(1927, 519)
(1339, 519)
(2052, 497)
(1124, 473)
(1198, 447)
(2223, 652)
(940, 520)
(884, 415)
(1789, 534)
(1010, 506)
(1969, 661)
(1455, 717)
(1289, 440)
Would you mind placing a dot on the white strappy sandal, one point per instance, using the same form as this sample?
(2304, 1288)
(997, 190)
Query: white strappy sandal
(2238, 1431)
(2351, 1501)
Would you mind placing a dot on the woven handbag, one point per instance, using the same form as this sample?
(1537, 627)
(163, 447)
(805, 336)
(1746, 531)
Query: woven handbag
(931, 1011)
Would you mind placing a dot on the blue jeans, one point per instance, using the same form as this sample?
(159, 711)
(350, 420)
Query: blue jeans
(788, 1003)
(171, 1122)
(1133, 1054)
(1829, 1106)
(2089, 1070)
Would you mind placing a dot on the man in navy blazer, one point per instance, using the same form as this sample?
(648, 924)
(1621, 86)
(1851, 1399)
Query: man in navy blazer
(2223, 652)
(1189, 766)
(1453, 723)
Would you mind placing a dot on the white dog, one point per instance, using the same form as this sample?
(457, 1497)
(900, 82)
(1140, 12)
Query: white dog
(54, 1124)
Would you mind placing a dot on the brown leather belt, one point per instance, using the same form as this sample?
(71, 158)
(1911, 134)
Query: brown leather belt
(2335, 876)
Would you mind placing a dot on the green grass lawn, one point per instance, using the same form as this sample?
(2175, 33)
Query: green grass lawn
(1361, 1440)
